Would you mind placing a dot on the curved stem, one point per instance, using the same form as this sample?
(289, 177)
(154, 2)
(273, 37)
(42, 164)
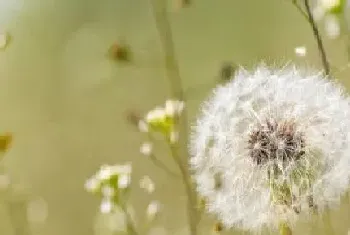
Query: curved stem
(161, 165)
(129, 222)
(318, 38)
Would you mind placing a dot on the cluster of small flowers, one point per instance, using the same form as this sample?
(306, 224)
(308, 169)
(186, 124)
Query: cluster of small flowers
(329, 10)
(111, 182)
(163, 120)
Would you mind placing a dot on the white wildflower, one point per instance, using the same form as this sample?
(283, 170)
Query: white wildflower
(300, 51)
(153, 210)
(147, 184)
(92, 184)
(173, 108)
(143, 126)
(155, 115)
(146, 148)
(332, 26)
(108, 191)
(106, 205)
(272, 145)
(329, 5)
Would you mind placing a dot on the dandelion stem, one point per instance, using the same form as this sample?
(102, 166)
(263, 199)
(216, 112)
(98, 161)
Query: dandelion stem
(162, 23)
(318, 38)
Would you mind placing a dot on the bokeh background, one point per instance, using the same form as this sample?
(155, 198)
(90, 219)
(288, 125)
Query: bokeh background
(65, 101)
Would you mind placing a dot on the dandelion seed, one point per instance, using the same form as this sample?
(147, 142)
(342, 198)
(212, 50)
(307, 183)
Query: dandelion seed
(300, 51)
(146, 148)
(147, 184)
(277, 138)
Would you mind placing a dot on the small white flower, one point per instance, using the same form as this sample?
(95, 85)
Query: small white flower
(272, 145)
(92, 185)
(173, 108)
(156, 114)
(143, 126)
(104, 173)
(300, 51)
(108, 191)
(106, 206)
(153, 210)
(332, 26)
(146, 148)
(147, 184)
(328, 5)
(124, 181)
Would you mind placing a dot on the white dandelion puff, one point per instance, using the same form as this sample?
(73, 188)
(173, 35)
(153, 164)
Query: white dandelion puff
(272, 145)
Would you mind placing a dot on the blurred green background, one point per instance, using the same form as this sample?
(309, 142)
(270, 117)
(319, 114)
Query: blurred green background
(65, 101)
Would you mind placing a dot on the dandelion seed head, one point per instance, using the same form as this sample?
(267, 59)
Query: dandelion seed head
(271, 145)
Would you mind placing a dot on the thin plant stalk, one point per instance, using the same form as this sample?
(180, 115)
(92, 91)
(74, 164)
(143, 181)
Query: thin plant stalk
(129, 222)
(162, 23)
(318, 38)
(192, 211)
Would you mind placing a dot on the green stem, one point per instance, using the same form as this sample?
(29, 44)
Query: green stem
(191, 199)
(129, 222)
(158, 163)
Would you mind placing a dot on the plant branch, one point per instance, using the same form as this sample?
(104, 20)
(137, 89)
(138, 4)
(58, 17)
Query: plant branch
(162, 23)
(300, 9)
(192, 211)
(318, 38)
(160, 164)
